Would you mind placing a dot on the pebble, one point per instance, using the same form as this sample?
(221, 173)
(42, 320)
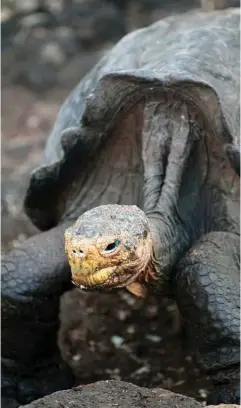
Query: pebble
(152, 311)
(33, 122)
(172, 308)
(92, 346)
(180, 382)
(22, 237)
(117, 340)
(52, 52)
(12, 208)
(122, 314)
(188, 359)
(141, 370)
(168, 383)
(160, 377)
(129, 299)
(114, 373)
(154, 338)
(67, 40)
(35, 20)
(76, 357)
(203, 393)
(56, 6)
(39, 74)
(26, 6)
(39, 33)
(181, 370)
(130, 329)
(6, 14)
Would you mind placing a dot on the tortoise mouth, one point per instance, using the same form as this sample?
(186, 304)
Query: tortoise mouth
(103, 279)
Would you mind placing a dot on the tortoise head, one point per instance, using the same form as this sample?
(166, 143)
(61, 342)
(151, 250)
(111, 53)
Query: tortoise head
(109, 247)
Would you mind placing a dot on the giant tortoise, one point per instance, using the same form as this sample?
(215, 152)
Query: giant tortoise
(144, 151)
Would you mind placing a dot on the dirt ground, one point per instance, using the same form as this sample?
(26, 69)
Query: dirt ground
(117, 336)
(102, 336)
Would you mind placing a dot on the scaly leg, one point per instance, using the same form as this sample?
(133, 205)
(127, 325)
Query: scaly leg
(34, 276)
(206, 288)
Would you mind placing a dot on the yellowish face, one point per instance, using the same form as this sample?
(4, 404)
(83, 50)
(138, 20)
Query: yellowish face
(106, 254)
(93, 261)
(107, 263)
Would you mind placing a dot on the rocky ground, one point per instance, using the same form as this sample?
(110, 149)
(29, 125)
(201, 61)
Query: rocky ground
(47, 46)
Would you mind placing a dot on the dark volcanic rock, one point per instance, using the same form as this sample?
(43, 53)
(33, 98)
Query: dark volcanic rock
(110, 394)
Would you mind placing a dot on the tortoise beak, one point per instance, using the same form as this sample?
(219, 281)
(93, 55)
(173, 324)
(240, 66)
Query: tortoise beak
(91, 278)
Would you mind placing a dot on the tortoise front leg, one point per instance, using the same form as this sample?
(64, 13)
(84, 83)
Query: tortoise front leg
(34, 276)
(206, 288)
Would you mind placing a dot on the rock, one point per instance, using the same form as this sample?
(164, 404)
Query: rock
(35, 20)
(38, 74)
(209, 5)
(67, 40)
(224, 406)
(52, 53)
(110, 394)
(93, 21)
(26, 6)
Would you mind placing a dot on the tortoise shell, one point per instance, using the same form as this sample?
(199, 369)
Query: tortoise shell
(195, 56)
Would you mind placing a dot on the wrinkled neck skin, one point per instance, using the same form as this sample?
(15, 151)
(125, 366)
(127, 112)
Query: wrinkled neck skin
(185, 195)
(166, 131)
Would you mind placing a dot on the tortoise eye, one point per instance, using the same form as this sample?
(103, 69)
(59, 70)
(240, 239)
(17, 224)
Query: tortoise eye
(112, 246)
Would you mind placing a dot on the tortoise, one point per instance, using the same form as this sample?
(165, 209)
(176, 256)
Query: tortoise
(141, 176)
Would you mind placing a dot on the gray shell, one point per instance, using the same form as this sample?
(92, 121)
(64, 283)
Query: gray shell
(196, 54)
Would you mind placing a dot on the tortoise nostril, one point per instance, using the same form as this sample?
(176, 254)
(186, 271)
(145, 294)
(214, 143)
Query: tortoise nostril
(80, 251)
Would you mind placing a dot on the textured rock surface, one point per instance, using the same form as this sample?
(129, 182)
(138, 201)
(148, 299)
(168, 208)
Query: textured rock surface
(119, 394)
(110, 394)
